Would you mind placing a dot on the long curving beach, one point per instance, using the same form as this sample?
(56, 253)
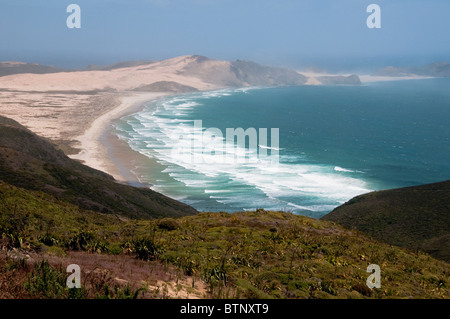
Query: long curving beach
(75, 109)
(94, 141)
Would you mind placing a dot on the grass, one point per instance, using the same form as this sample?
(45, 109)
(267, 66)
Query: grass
(242, 255)
(412, 217)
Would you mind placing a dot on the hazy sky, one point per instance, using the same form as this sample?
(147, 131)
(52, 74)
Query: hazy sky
(293, 33)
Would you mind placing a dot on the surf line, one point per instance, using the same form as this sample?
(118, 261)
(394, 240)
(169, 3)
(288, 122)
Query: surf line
(209, 145)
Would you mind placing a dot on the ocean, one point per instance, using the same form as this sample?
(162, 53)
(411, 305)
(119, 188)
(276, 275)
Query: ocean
(334, 143)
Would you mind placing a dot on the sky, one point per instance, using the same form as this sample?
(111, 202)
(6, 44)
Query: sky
(290, 33)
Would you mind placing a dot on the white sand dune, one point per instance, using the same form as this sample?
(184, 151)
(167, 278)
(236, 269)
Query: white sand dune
(74, 108)
(121, 79)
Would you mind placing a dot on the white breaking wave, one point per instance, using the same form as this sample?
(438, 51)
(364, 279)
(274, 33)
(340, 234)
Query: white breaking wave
(340, 169)
(215, 191)
(248, 180)
(270, 148)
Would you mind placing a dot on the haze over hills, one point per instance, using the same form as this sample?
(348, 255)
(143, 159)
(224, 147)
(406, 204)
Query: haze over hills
(118, 65)
(241, 73)
(69, 100)
(216, 73)
(415, 217)
(9, 68)
(190, 71)
(438, 69)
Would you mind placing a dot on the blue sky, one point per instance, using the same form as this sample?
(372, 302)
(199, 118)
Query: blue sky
(292, 33)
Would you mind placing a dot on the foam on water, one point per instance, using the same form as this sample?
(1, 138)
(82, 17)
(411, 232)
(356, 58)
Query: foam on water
(236, 179)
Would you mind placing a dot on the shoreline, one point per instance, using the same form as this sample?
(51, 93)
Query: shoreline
(314, 78)
(384, 78)
(96, 141)
(103, 150)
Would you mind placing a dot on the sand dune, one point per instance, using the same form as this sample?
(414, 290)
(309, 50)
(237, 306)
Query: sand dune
(61, 106)
(121, 79)
(74, 108)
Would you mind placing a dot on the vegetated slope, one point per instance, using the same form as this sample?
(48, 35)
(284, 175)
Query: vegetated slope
(31, 162)
(165, 86)
(415, 217)
(243, 255)
(239, 73)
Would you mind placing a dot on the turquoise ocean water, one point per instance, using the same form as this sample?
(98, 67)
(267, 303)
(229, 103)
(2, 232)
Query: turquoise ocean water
(335, 142)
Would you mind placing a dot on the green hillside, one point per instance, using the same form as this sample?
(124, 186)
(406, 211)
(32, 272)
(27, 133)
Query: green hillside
(209, 255)
(413, 217)
(31, 162)
(133, 242)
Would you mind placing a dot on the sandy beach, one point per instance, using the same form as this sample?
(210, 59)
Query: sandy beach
(93, 151)
(74, 109)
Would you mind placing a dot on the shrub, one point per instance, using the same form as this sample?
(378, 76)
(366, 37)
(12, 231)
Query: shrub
(11, 239)
(363, 289)
(145, 248)
(96, 246)
(86, 241)
(56, 251)
(80, 241)
(247, 291)
(46, 281)
(216, 273)
(188, 265)
(168, 224)
(114, 249)
(48, 240)
(328, 287)
(15, 263)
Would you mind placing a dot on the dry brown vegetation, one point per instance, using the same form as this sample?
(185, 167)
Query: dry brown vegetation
(102, 276)
(247, 255)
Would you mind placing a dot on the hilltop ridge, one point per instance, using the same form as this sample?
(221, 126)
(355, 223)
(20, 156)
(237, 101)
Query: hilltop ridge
(416, 217)
(34, 163)
(195, 71)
